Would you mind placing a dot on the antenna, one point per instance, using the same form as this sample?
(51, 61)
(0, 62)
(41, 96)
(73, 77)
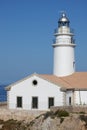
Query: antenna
(62, 13)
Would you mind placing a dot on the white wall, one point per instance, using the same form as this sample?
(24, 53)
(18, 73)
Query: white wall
(42, 90)
(63, 39)
(81, 97)
(63, 60)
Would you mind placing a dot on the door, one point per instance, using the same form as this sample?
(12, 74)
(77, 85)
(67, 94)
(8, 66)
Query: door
(69, 100)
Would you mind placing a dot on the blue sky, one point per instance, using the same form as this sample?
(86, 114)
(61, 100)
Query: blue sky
(26, 35)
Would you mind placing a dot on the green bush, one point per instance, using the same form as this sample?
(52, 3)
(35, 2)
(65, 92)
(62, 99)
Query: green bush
(61, 113)
(61, 119)
(84, 118)
(82, 112)
(58, 113)
(48, 114)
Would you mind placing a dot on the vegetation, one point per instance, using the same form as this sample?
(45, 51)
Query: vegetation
(62, 119)
(82, 112)
(47, 114)
(61, 113)
(84, 118)
(12, 125)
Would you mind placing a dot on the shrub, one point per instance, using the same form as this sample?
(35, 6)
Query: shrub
(82, 112)
(84, 118)
(61, 113)
(61, 119)
(48, 114)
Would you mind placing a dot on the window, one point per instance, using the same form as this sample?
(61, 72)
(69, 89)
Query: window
(35, 102)
(50, 102)
(34, 82)
(19, 101)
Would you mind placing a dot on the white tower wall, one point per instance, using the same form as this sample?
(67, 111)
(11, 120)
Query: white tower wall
(64, 61)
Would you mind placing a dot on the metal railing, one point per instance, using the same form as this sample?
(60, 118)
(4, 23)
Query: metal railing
(56, 31)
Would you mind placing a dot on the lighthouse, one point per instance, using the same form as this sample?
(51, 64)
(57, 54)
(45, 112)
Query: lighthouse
(64, 47)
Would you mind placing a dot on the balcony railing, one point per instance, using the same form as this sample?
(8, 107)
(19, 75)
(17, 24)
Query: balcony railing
(56, 41)
(63, 30)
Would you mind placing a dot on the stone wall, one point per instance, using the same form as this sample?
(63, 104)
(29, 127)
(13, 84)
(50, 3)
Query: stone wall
(20, 115)
(72, 109)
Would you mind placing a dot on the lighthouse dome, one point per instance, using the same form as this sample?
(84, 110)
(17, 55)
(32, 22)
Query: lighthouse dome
(63, 21)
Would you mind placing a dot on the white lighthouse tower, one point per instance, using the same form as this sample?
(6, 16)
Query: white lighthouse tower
(64, 60)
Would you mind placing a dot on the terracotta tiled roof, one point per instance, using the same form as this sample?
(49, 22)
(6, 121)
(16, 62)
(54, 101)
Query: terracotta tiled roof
(56, 80)
(77, 80)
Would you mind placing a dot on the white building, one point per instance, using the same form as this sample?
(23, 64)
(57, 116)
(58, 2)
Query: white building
(64, 87)
(34, 92)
